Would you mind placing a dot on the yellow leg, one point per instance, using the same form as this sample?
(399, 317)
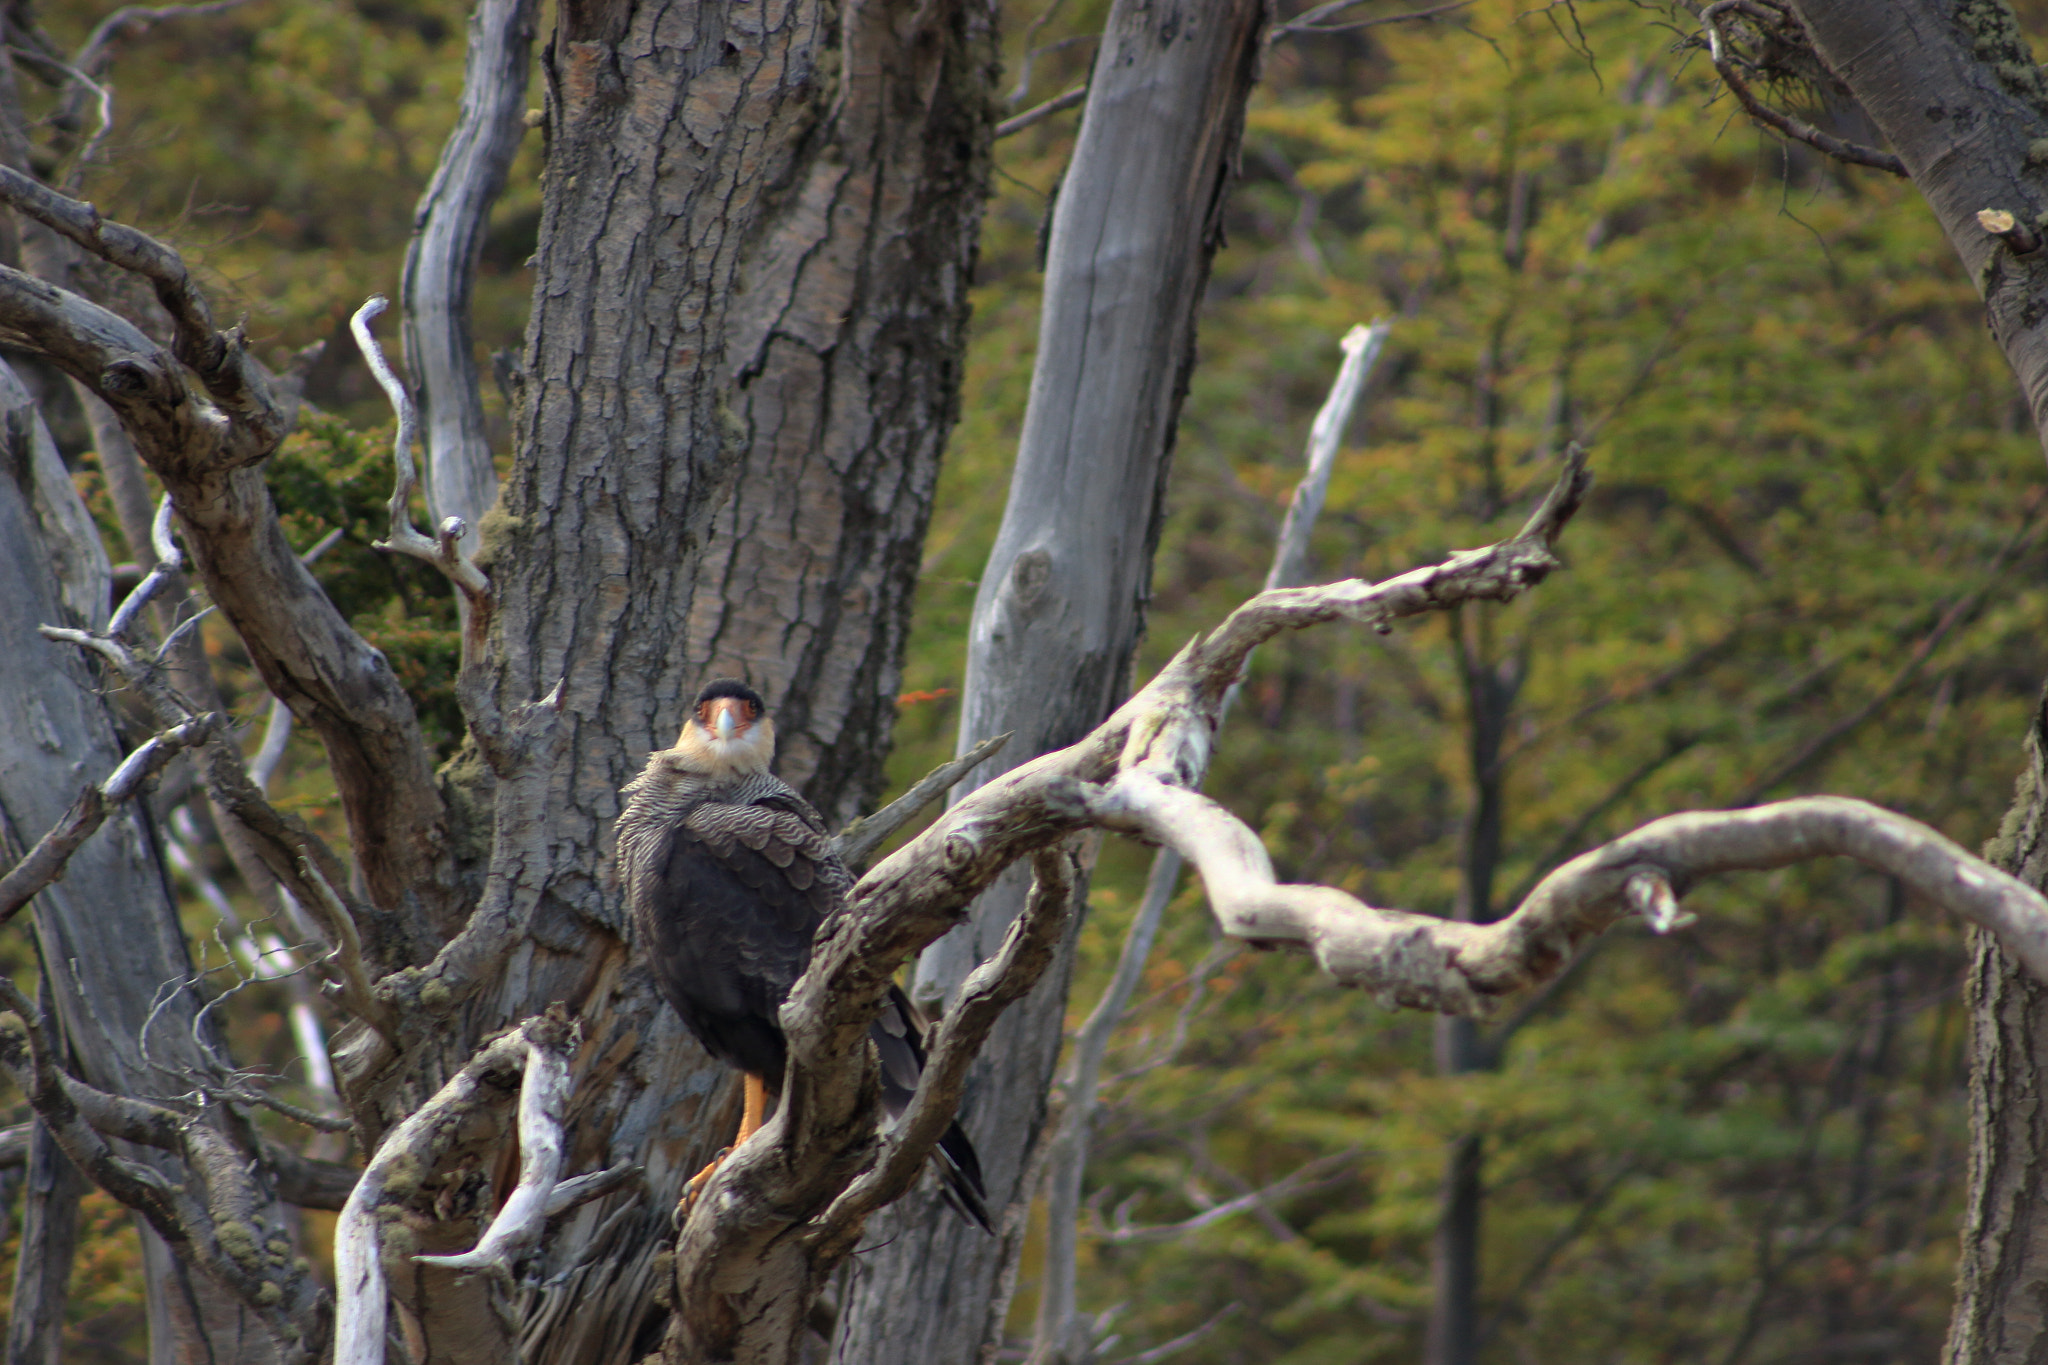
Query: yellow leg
(756, 1105)
(753, 1106)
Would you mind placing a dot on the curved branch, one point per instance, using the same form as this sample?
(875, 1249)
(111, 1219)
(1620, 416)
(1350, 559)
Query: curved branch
(444, 551)
(1460, 968)
(440, 264)
(402, 1162)
(990, 989)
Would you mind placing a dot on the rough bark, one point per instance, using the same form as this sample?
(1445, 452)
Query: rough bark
(742, 363)
(2004, 1270)
(108, 933)
(1954, 89)
(1062, 599)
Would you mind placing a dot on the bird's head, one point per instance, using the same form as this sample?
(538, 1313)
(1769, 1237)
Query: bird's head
(728, 732)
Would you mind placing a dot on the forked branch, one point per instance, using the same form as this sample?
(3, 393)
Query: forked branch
(444, 551)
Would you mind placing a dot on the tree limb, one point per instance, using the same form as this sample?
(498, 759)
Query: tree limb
(444, 551)
(440, 263)
(1796, 129)
(45, 862)
(858, 841)
(992, 987)
(1462, 968)
(403, 1160)
(543, 1096)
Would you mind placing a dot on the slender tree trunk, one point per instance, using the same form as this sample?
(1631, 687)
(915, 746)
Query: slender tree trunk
(1063, 596)
(1491, 685)
(1954, 89)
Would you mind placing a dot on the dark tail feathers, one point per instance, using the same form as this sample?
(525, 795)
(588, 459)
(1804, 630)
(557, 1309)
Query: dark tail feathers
(898, 1034)
(960, 1177)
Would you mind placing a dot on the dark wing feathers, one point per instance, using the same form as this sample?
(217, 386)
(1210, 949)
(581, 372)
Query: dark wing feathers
(741, 890)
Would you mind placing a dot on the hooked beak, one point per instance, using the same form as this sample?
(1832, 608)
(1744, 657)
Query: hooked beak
(726, 719)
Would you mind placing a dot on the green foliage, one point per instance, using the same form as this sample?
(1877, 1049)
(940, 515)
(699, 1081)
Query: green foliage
(1809, 565)
(329, 477)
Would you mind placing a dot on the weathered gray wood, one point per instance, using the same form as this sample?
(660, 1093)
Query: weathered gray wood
(1061, 603)
(42, 1268)
(1061, 1334)
(440, 264)
(108, 933)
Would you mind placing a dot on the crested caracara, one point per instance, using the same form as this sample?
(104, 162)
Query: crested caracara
(728, 873)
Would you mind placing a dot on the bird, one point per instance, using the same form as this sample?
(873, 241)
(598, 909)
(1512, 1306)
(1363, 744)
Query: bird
(728, 872)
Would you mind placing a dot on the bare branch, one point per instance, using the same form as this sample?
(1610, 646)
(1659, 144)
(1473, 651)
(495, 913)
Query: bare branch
(1167, 1349)
(402, 1161)
(1057, 104)
(1305, 1176)
(440, 262)
(582, 1189)
(859, 840)
(1711, 19)
(1362, 346)
(45, 862)
(444, 552)
(1311, 21)
(999, 982)
(1059, 1318)
(217, 357)
(1461, 968)
(543, 1096)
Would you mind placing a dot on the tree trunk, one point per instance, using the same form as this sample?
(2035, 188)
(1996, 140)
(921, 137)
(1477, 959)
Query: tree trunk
(1491, 685)
(42, 1270)
(1137, 222)
(113, 950)
(742, 365)
(1954, 89)
(2004, 1269)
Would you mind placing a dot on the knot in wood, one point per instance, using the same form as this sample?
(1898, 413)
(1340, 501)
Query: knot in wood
(1030, 580)
(960, 852)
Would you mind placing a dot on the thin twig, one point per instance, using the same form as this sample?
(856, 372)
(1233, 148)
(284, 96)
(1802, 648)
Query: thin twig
(444, 550)
(858, 841)
(1310, 21)
(1796, 129)
(1057, 104)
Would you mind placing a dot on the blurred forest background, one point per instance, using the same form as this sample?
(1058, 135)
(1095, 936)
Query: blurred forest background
(1812, 562)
